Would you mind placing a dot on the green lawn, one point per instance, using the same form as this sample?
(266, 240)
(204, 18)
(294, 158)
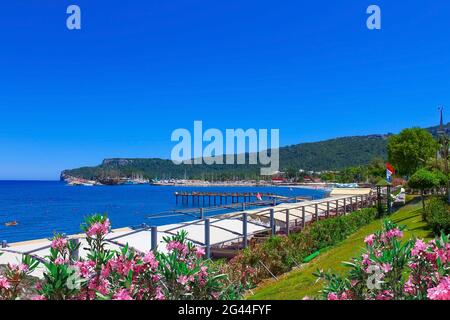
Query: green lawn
(300, 282)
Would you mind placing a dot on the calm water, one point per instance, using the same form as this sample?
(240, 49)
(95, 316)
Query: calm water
(42, 207)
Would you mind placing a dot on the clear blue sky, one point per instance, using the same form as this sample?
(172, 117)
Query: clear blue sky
(139, 69)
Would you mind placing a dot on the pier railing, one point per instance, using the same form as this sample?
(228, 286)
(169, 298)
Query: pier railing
(270, 221)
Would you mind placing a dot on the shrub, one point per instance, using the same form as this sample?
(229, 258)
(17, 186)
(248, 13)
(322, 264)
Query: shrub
(274, 256)
(328, 232)
(437, 215)
(11, 283)
(391, 269)
(181, 273)
(279, 254)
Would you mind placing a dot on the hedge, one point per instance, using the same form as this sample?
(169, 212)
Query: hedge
(280, 254)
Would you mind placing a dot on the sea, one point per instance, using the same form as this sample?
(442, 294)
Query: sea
(42, 208)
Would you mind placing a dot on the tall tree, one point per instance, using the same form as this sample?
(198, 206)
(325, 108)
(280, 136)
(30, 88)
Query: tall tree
(411, 149)
(423, 180)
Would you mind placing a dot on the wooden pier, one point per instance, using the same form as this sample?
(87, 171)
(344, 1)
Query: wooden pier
(221, 198)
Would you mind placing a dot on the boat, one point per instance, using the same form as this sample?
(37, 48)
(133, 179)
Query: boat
(11, 223)
(136, 179)
(76, 182)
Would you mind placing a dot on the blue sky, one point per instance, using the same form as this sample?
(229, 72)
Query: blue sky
(140, 69)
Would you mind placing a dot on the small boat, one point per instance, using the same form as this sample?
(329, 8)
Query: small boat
(11, 223)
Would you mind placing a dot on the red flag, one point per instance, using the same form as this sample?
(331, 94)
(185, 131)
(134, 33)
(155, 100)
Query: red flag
(390, 168)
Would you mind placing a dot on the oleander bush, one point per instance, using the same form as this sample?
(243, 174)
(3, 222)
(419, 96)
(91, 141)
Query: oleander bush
(328, 232)
(181, 273)
(279, 254)
(437, 215)
(13, 279)
(392, 269)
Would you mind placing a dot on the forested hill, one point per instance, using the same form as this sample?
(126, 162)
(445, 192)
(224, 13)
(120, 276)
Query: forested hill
(334, 154)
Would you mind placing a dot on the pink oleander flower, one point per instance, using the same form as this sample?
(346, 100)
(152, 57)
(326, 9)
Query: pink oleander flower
(385, 295)
(332, 296)
(394, 233)
(183, 280)
(199, 252)
(215, 295)
(156, 278)
(102, 286)
(409, 287)
(386, 267)
(4, 283)
(172, 245)
(98, 229)
(121, 265)
(441, 291)
(159, 294)
(151, 260)
(85, 268)
(39, 297)
(443, 255)
(419, 247)
(204, 270)
(59, 243)
(412, 265)
(203, 275)
(306, 298)
(60, 261)
(21, 268)
(369, 240)
(366, 260)
(122, 294)
(38, 286)
(176, 245)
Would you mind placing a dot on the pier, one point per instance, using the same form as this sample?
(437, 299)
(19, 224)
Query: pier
(220, 198)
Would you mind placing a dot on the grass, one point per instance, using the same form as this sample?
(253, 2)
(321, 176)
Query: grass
(301, 282)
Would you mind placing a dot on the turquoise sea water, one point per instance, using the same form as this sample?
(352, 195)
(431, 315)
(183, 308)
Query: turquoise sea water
(43, 207)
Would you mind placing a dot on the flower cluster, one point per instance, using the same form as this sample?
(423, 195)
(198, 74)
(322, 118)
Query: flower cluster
(11, 282)
(59, 243)
(186, 273)
(441, 291)
(180, 273)
(98, 228)
(429, 269)
(391, 269)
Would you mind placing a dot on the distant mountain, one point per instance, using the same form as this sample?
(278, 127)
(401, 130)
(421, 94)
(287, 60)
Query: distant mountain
(334, 154)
